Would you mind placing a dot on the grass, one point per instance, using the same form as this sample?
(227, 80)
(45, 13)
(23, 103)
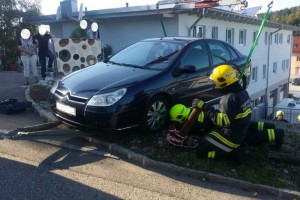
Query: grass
(257, 168)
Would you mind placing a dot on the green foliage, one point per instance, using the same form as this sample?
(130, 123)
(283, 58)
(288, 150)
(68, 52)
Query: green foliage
(11, 20)
(78, 33)
(290, 16)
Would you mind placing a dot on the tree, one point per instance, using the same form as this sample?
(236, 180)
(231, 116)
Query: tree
(290, 16)
(12, 13)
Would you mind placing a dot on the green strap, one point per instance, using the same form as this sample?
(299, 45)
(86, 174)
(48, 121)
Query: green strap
(162, 25)
(256, 39)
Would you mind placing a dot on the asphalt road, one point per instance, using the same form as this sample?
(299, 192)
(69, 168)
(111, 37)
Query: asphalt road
(75, 169)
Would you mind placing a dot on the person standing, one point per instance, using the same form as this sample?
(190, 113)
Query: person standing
(43, 39)
(27, 47)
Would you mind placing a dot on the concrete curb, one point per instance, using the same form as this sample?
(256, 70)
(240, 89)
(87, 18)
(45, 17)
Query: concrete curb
(201, 175)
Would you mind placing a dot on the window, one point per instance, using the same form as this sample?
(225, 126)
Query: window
(199, 31)
(219, 52)
(283, 65)
(276, 38)
(242, 37)
(298, 58)
(280, 38)
(287, 63)
(230, 36)
(258, 101)
(254, 74)
(264, 71)
(214, 32)
(274, 67)
(254, 36)
(196, 56)
(297, 70)
(288, 40)
(266, 38)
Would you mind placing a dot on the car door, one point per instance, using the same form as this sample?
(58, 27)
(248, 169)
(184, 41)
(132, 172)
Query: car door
(190, 85)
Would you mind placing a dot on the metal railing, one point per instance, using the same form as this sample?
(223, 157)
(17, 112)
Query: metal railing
(268, 113)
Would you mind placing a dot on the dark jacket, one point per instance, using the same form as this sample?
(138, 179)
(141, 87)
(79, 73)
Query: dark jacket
(43, 42)
(234, 114)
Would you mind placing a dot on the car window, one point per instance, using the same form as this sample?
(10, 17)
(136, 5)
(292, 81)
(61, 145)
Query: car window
(219, 52)
(234, 54)
(196, 56)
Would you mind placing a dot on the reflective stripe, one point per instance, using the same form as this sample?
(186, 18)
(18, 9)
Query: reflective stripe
(211, 154)
(260, 126)
(201, 117)
(222, 117)
(244, 114)
(271, 135)
(200, 104)
(224, 140)
(217, 144)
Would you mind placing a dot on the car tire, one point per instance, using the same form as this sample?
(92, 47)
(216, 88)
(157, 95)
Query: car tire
(156, 114)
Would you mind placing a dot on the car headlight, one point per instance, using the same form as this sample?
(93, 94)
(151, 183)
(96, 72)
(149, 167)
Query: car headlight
(54, 87)
(107, 99)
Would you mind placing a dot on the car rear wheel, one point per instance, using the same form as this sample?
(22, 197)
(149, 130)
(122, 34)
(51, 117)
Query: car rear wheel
(156, 114)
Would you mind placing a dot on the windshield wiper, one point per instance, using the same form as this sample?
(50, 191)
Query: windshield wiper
(115, 63)
(160, 59)
(131, 65)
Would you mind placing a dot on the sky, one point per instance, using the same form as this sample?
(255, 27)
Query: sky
(50, 6)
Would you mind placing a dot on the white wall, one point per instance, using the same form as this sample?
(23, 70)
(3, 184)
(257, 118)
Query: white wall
(120, 33)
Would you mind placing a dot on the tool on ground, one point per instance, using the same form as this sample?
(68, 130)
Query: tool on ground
(44, 131)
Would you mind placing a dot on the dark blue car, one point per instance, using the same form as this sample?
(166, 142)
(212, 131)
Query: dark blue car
(296, 81)
(138, 85)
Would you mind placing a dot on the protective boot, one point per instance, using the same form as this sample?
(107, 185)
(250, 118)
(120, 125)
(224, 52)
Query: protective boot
(238, 156)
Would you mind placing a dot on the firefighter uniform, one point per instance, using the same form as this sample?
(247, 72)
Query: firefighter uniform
(228, 128)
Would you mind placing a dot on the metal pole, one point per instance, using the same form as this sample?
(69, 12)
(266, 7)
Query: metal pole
(256, 39)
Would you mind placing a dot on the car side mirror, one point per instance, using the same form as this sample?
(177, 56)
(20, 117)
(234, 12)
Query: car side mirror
(188, 69)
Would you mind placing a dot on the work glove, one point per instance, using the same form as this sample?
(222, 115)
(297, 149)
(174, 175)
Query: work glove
(197, 103)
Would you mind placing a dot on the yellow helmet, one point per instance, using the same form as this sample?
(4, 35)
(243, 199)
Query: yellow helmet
(223, 76)
(279, 112)
(299, 118)
(179, 113)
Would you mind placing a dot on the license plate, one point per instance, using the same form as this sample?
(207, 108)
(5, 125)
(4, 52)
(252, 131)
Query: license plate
(66, 109)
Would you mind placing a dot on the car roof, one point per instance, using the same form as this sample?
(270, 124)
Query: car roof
(176, 39)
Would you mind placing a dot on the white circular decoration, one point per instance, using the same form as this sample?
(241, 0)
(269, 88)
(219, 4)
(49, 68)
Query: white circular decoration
(83, 24)
(94, 26)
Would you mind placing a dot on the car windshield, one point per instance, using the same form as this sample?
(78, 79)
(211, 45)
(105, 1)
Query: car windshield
(147, 54)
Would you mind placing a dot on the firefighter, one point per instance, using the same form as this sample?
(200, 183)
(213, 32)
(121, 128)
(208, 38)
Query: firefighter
(279, 116)
(230, 121)
(258, 132)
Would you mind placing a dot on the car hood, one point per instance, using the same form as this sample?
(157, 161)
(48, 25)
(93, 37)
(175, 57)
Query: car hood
(102, 77)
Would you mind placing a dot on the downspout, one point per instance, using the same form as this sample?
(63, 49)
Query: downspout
(199, 18)
(268, 68)
(291, 53)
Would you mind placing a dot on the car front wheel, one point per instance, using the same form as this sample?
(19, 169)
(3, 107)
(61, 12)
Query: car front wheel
(156, 114)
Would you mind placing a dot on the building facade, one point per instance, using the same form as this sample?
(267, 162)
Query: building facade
(295, 60)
